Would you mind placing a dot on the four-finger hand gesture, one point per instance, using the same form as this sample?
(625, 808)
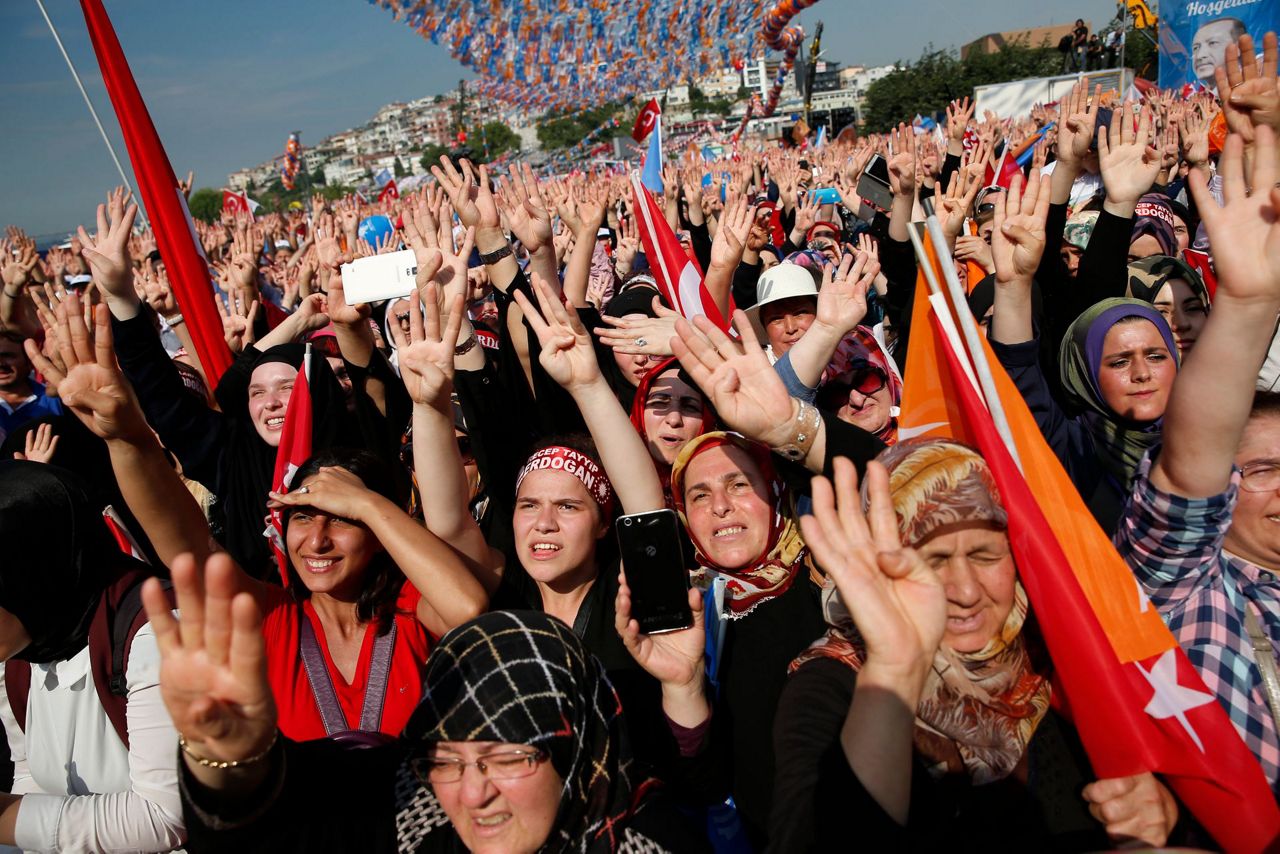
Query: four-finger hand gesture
(426, 360)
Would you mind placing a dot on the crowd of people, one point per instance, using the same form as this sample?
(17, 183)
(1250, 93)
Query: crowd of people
(434, 646)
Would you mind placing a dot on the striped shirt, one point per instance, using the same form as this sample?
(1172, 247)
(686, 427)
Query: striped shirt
(1174, 546)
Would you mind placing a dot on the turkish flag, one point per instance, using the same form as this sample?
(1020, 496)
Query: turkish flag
(165, 203)
(1134, 696)
(295, 448)
(234, 203)
(645, 121)
(389, 192)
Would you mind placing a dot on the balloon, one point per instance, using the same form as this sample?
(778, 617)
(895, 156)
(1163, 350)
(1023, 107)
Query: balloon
(374, 229)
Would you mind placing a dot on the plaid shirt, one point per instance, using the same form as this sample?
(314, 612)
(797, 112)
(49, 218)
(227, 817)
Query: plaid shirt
(1174, 547)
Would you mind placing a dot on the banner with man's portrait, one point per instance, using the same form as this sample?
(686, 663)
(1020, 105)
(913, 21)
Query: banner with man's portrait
(1194, 35)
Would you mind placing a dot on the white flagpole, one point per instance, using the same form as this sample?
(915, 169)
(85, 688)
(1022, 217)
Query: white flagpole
(969, 328)
(88, 103)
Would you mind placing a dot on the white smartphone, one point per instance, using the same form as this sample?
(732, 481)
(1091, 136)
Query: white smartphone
(380, 277)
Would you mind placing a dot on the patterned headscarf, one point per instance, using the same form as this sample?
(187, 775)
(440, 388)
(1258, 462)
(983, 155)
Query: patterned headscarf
(521, 677)
(1154, 216)
(1120, 444)
(1079, 229)
(1148, 275)
(859, 349)
(978, 710)
(784, 555)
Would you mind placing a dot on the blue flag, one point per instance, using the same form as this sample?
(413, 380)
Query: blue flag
(651, 174)
(822, 137)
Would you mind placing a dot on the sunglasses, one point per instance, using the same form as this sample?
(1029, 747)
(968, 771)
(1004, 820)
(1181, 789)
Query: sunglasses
(866, 379)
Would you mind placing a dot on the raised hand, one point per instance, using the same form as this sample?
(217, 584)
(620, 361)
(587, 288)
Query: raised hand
(732, 232)
(333, 490)
(237, 315)
(902, 166)
(957, 199)
(673, 658)
(1018, 240)
(567, 354)
(525, 208)
(107, 252)
(16, 269)
(469, 193)
(426, 360)
(842, 299)
(156, 290)
(1128, 161)
(624, 255)
(213, 663)
(1251, 96)
(1079, 121)
(420, 232)
(39, 444)
(959, 115)
(744, 388)
(649, 336)
(86, 374)
(1194, 131)
(898, 602)
(1247, 222)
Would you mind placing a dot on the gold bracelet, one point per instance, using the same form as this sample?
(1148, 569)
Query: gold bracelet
(222, 766)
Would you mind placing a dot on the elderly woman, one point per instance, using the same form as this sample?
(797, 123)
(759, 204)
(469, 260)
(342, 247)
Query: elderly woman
(924, 713)
(519, 744)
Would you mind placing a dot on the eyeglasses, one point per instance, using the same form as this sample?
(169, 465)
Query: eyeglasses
(1260, 477)
(865, 379)
(403, 317)
(506, 765)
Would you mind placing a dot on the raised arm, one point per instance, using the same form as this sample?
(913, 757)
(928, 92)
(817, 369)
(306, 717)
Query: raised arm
(1211, 399)
(569, 358)
(726, 251)
(1017, 243)
(842, 303)
(427, 367)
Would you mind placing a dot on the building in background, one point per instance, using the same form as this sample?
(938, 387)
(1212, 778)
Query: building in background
(1033, 37)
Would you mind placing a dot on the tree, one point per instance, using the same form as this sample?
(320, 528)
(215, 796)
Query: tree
(398, 168)
(568, 129)
(317, 177)
(431, 155)
(926, 86)
(497, 136)
(205, 204)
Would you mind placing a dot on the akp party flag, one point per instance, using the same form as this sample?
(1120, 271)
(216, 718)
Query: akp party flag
(1136, 700)
(678, 276)
(646, 121)
(164, 200)
(294, 449)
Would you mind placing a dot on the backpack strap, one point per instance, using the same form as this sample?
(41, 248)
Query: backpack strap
(322, 689)
(119, 617)
(17, 684)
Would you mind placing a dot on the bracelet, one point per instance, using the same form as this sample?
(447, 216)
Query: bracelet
(807, 422)
(223, 766)
(495, 257)
(465, 347)
(174, 320)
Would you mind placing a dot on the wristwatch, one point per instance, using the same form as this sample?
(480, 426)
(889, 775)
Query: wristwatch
(495, 257)
(804, 432)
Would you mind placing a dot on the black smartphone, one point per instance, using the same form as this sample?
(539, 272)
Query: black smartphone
(653, 561)
(873, 185)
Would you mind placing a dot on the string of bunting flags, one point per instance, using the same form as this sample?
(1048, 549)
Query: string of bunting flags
(541, 55)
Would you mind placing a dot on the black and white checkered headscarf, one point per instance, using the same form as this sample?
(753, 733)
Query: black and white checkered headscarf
(521, 677)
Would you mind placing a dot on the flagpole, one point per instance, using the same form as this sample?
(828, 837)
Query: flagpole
(969, 328)
(88, 103)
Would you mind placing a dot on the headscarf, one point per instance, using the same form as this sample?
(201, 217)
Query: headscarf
(248, 462)
(1079, 229)
(59, 557)
(859, 349)
(521, 677)
(637, 412)
(1120, 444)
(773, 571)
(812, 260)
(1154, 216)
(1148, 275)
(978, 710)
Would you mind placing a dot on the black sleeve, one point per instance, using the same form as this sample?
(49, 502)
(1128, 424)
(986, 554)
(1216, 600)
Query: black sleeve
(817, 798)
(745, 279)
(1022, 362)
(283, 816)
(898, 263)
(700, 237)
(498, 440)
(192, 431)
(846, 440)
(1052, 273)
(950, 165)
(1104, 267)
(382, 433)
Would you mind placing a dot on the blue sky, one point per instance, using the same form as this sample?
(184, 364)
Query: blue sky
(227, 80)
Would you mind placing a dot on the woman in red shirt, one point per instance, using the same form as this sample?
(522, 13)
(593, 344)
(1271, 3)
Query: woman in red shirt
(348, 638)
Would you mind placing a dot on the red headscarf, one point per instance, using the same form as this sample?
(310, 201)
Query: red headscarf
(637, 415)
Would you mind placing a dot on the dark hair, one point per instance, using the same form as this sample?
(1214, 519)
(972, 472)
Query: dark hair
(383, 579)
(1265, 403)
(15, 337)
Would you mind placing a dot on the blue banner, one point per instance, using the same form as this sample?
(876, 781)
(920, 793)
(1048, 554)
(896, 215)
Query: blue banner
(1194, 35)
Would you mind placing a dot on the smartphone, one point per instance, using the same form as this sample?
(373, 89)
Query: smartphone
(380, 277)
(827, 196)
(873, 186)
(653, 561)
